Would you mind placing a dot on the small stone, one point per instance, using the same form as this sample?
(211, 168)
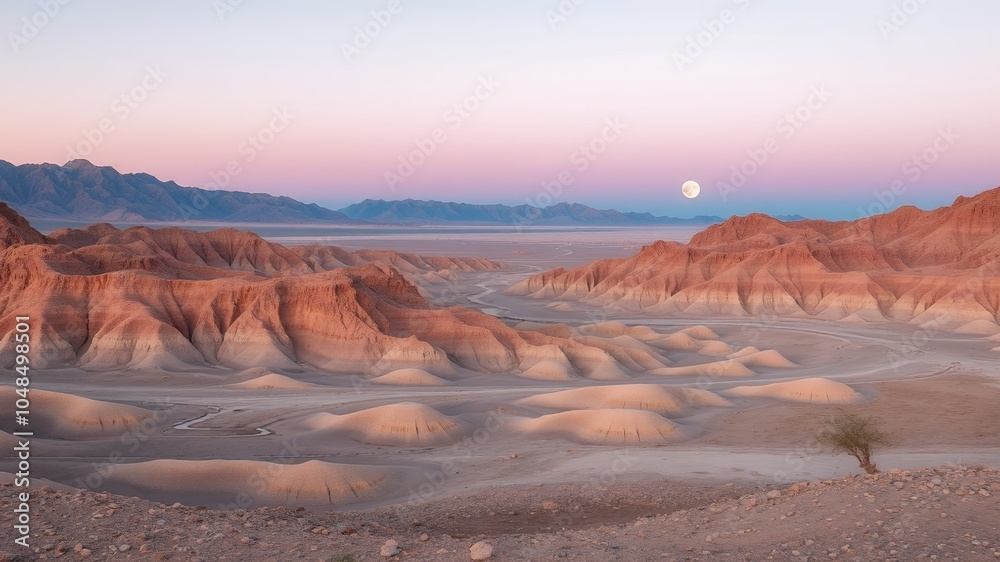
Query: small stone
(124, 547)
(390, 549)
(482, 550)
(424, 538)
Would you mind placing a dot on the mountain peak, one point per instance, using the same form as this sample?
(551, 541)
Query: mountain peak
(559, 214)
(82, 190)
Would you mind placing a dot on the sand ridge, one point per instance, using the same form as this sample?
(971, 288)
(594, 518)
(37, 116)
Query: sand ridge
(65, 416)
(406, 424)
(602, 427)
(309, 483)
(803, 390)
(650, 397)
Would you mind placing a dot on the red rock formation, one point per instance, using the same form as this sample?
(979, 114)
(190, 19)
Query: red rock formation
(105, 298)
(910, 265)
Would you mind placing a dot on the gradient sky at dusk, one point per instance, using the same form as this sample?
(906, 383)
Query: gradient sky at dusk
(558, 87)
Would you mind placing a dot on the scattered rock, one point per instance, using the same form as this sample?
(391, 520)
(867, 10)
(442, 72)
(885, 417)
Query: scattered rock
(482, 550)
(390, 549)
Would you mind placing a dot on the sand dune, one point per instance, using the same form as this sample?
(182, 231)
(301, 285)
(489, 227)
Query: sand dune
(979, 328)
(273, 381)
(651, 397)
(550, 370)
(677, 341)
(700, 333)
(410, 377)
(405, 424)
(749, 350)
(727, 368)
(7, 441)
(555, 330)
(64, 416)
(715, 349)
(769, 358)
(805, 390)
(603, 427)
(310, 483)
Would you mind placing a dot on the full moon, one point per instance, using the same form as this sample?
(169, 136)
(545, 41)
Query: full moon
(690, 189)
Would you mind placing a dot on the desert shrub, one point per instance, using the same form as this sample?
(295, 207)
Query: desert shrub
(857, 436)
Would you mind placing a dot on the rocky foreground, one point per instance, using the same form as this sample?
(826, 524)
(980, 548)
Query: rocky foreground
(935, 514)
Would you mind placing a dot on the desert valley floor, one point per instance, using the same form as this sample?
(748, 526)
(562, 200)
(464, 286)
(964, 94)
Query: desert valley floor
(694, 409)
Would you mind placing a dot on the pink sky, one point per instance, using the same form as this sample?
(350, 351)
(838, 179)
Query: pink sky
(554, 91)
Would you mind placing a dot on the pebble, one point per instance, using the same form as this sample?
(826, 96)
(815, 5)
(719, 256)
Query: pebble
(390, 549)
(482, 550)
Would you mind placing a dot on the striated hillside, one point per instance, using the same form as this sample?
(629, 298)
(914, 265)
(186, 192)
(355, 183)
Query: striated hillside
(104, 298)
(908, 265)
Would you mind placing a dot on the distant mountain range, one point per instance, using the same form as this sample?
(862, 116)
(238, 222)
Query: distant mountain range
(81, 191)
(561, 214)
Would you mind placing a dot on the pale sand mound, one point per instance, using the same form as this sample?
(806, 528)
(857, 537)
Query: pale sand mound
(700, 333)
(561, 307)
(549, 370)
(727, 368)
(554, 330)
(410, 377)
(749, 350)
(405, 424)
(312, 482)
(605, 329)
(603, 427)
(805, 390)
(651, 397)
(715, 349)
(64, 416)
(273, 381)
(677, 341)
(7, 441)
(769, 358)
(979, 328)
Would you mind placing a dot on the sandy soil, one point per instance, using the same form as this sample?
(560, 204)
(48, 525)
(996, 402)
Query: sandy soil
(947, 513)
